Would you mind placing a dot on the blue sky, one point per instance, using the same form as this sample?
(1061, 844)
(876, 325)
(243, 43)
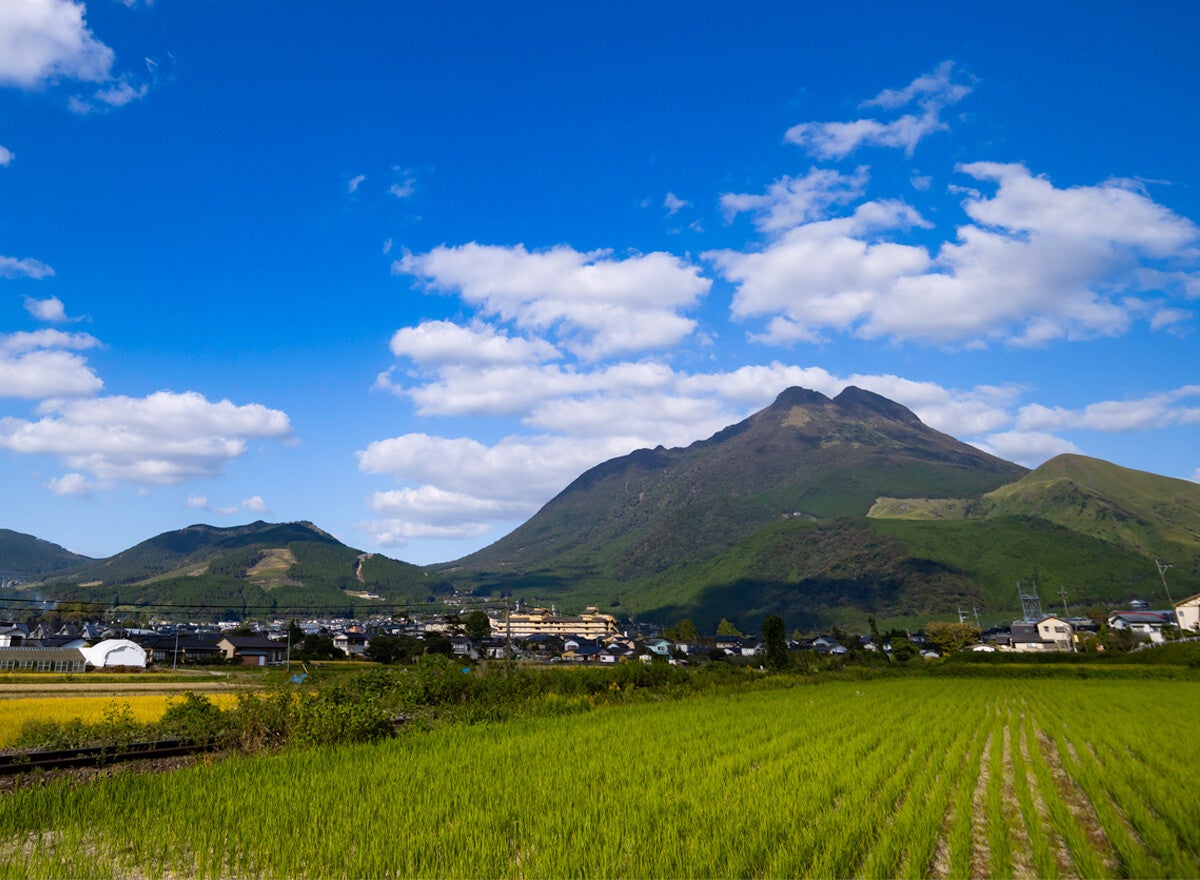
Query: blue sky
(406, 272)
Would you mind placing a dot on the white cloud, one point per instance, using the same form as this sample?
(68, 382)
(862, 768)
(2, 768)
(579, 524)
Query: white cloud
(197, 502)
(42, 364)
(354, 183)
(674, 204)
(46, 40)
(1115, 415)
(75, 486)
(406, 185)
(436, 343)
(255, 504)
(11, 267)
(49, 310)
(1030, 448)
(932, 93)
(6, 156)
(517, 469)
(1038, 264)
(597, 304)
(1196, 476)
(398, 532)
(431, 505)
(162, 439)
(827, 274)
(791, 201)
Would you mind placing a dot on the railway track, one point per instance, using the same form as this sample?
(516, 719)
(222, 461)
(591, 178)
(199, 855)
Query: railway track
(97, 756)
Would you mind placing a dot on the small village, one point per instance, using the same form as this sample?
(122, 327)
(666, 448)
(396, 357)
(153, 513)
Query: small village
(541, 635)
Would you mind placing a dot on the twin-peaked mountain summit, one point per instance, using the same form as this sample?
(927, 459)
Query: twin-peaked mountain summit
(805, 457)
(824, 510)
(831, 510)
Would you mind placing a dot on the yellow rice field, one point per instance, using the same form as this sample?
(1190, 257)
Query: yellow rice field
(143, 707)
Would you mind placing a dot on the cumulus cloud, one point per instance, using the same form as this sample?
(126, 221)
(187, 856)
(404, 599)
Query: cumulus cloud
(50, 310)
(11, 267)
(438, 343)
(932, 93)
(355, 182)
(255, 504)
(1029, 448)
(44, 364)
(42, 41)
(6, 156)
(1038, 263)
(1110, 416)
(598, 305)
(162, 439)
(792, 201)
(826, 274)
(75, 485)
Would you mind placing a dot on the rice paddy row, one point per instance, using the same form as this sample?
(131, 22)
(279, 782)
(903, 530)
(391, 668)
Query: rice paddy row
(886, 778)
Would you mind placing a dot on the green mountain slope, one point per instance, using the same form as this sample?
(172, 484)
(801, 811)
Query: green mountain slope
(795, 512)
(805, 457)
(260, 567)
(1155, 515)
(29, 558)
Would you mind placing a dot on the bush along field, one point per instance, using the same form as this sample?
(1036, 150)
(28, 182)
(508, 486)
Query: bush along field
(749, 775)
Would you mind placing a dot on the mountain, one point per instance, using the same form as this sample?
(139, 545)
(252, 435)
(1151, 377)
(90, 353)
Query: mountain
(28, 558)
(1158, 516)
(806, 457)
(829, 511)
(261, 567)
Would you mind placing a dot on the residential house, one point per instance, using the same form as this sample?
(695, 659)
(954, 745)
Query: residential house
(252, 650)
(351, 643)
(1147, 625)
(1187, 614)
(1051, 633)
(660, 647)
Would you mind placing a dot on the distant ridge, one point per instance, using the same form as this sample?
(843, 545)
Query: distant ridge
(290, 567)
(26, 557)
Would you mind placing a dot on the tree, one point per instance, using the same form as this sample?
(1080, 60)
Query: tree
(478, 626)
(685, 631)
(384, 649)
(946, 636)
(775, 642)
(725, 628)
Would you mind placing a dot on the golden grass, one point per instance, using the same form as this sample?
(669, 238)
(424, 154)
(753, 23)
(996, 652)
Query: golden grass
(144, 708)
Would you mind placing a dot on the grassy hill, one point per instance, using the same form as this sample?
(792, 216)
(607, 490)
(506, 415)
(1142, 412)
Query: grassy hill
(30, 558)
(1154, 515)
(256, 568)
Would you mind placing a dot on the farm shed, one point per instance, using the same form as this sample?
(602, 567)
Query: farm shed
(115, 652)
(27, 659)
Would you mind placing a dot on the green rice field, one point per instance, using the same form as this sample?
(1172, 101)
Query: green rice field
(919, 777)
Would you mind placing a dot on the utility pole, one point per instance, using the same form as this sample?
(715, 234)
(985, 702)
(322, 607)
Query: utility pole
(1162, 573)
(1063, 593)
